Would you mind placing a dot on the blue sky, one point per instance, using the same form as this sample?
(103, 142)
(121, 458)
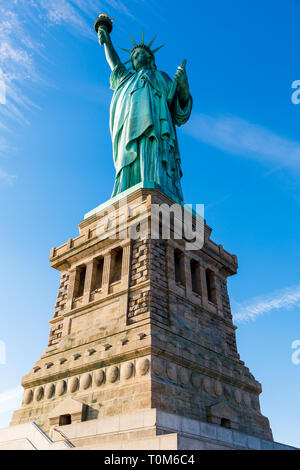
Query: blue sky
(240, 157)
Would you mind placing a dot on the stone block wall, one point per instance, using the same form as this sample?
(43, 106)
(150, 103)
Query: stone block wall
(146, 340)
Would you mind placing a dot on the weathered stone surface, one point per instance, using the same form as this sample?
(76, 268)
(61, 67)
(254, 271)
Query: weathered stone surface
(143, 366)
(127, 370)
(86, 381)
(39, 393)
(113, 374)
(61, 387)
(28, 396)
(49, 390)
(99, 377)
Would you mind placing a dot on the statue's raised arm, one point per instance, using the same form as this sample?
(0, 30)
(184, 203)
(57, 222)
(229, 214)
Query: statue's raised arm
(145, 109)
(103, 26)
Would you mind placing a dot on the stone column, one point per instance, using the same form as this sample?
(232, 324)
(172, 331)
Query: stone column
(106, 273)
(88, 281)
(183, 268)
(203, 286)
(70, 295)
(198, 279)
(213, 285)
(170, 264)
(126, 264)
(187, 275)
(69, 302)
(218, 296)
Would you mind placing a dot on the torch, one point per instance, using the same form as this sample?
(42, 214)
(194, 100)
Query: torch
(104, 22)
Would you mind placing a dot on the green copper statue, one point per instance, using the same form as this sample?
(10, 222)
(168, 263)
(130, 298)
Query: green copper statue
(145, 108)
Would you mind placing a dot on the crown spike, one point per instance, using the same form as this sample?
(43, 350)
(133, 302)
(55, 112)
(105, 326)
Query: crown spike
(143, 37)
(127, 62)
(149, 45)
(157, 49)
(133, 41)
(126, 50)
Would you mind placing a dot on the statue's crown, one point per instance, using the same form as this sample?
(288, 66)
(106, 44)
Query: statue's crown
(144, 46)
(141, 45)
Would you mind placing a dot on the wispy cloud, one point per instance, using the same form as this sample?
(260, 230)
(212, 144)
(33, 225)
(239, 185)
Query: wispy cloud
(120, 6)
(237, 136)
(286, 299)
(6, 178)
(218, 202)
(70, 14)
(16, 64)
(25, 27)
(10, 400)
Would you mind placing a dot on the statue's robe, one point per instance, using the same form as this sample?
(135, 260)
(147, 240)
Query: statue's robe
(145, 147)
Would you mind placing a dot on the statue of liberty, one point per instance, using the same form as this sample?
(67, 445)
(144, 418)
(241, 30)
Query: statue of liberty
(146, 106)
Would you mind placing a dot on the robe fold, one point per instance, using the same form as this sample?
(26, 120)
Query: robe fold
(142, 126)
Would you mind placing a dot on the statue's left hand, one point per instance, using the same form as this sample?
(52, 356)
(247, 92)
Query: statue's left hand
(181, 79)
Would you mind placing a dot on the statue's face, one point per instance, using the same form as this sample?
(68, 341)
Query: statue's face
(141, 59)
